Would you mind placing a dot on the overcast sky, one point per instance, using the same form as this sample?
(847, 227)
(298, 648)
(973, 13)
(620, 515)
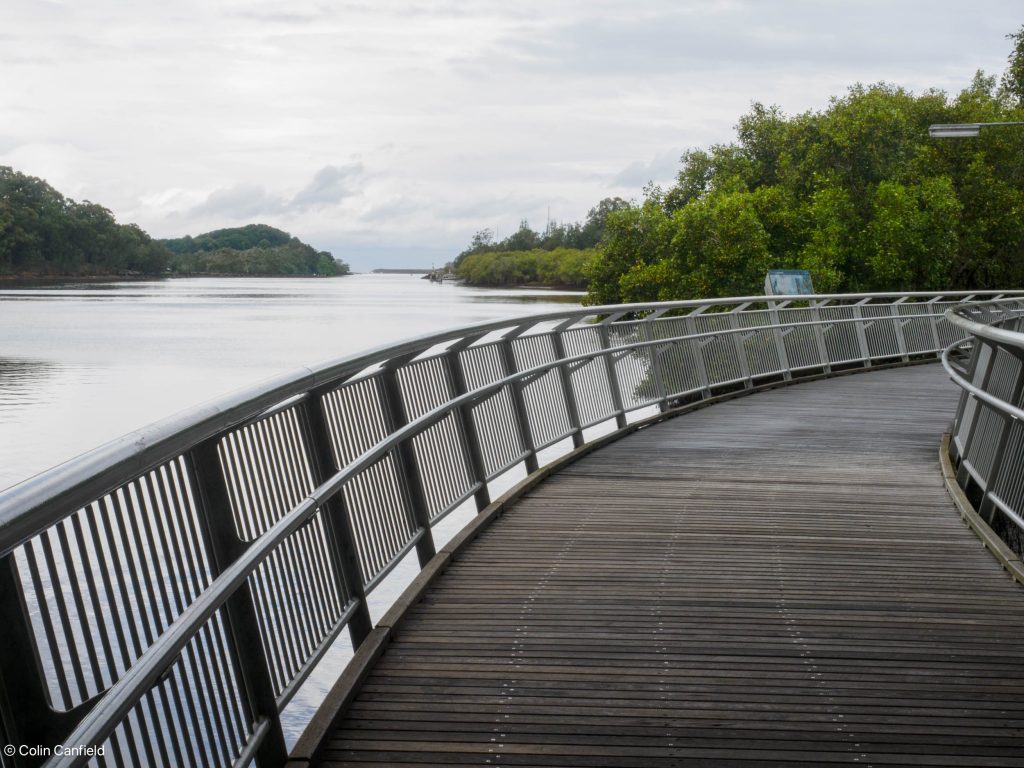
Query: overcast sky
(389, 132)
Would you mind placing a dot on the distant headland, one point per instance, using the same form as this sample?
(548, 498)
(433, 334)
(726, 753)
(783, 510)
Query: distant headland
(44, 234)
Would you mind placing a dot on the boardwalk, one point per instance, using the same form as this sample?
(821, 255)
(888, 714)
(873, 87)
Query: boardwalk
(776, 580)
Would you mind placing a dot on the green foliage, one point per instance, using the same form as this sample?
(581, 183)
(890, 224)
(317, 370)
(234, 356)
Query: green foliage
(857, 194)
(561, 267)
(638, 237)
(44, 233)
(255, 249)
(235, 238)
(1013, 80)
(581, 237)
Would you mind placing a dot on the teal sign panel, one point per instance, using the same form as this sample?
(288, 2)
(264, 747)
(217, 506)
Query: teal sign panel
(788, 282)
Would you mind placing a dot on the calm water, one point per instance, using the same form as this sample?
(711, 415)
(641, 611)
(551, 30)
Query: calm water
(81, 364)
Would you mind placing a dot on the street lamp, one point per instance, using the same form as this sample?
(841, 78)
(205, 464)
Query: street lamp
(961, 130)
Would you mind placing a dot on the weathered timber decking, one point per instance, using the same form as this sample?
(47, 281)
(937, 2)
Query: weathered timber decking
(780, 579)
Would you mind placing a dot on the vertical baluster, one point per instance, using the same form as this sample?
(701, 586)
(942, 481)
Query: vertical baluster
(474, 452)
(572, 408)
(609, 367)
(336, 519)
(409, 469)
(214, 512)
(522, 415)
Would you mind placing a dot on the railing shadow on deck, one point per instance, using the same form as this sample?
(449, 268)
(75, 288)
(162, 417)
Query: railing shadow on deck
(163, 597)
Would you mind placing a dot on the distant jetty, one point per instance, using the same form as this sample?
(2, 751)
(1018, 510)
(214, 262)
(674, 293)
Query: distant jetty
(439, 276)
(401, 271)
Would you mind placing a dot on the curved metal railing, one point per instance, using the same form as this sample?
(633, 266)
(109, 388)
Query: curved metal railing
(164, 596)
(987, 437)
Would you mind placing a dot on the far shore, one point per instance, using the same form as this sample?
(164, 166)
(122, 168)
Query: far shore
(51, 278)
(36, 279)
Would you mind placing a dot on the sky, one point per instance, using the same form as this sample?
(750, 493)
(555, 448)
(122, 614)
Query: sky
(389, 132)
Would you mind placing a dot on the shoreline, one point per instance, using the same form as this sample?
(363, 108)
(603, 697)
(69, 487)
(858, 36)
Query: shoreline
(34, 278)
(7, 279)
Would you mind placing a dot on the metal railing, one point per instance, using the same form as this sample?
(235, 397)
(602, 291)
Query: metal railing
(987, 437)
(164, 596)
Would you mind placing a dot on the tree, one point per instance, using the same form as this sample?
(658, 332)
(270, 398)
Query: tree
(1013, 79)
(44, 233)
(523, 239)
(856, 193)
(592, 230)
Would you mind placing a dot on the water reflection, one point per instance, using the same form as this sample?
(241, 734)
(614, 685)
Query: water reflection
(547, 298)
(21, 381)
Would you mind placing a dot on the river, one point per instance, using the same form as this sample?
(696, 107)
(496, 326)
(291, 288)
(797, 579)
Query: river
(83, 363)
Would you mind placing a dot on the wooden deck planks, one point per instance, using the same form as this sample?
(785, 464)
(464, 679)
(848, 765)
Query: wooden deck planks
(776, 580)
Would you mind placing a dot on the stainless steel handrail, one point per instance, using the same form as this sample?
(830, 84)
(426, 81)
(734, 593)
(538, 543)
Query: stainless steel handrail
(273, 512)
(987, 435)
(96, 472)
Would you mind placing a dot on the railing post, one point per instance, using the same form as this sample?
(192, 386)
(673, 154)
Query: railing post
(780, 340)
(934, 324)
(214, 507)
(962, 473)
(862, 337)
(27, 716)
(987, 508)
(335, 515)
(741, 355)
(955, 452)
(697, 350)
(613, 379)
(409, 469)
(474, 452)
(655, 370)
(819, 337)
(567, 391)
(897, 324)
(518, 400)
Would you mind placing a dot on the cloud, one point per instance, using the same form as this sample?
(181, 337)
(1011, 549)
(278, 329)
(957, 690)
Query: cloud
(198, 114)
(393, 210)
(329, 186)
(8, 144)
(681, 39)
(662, 168)
(242, 201)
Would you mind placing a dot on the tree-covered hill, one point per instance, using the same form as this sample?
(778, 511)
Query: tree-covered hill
(43, 233)
(255, 249)
(236, 238)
